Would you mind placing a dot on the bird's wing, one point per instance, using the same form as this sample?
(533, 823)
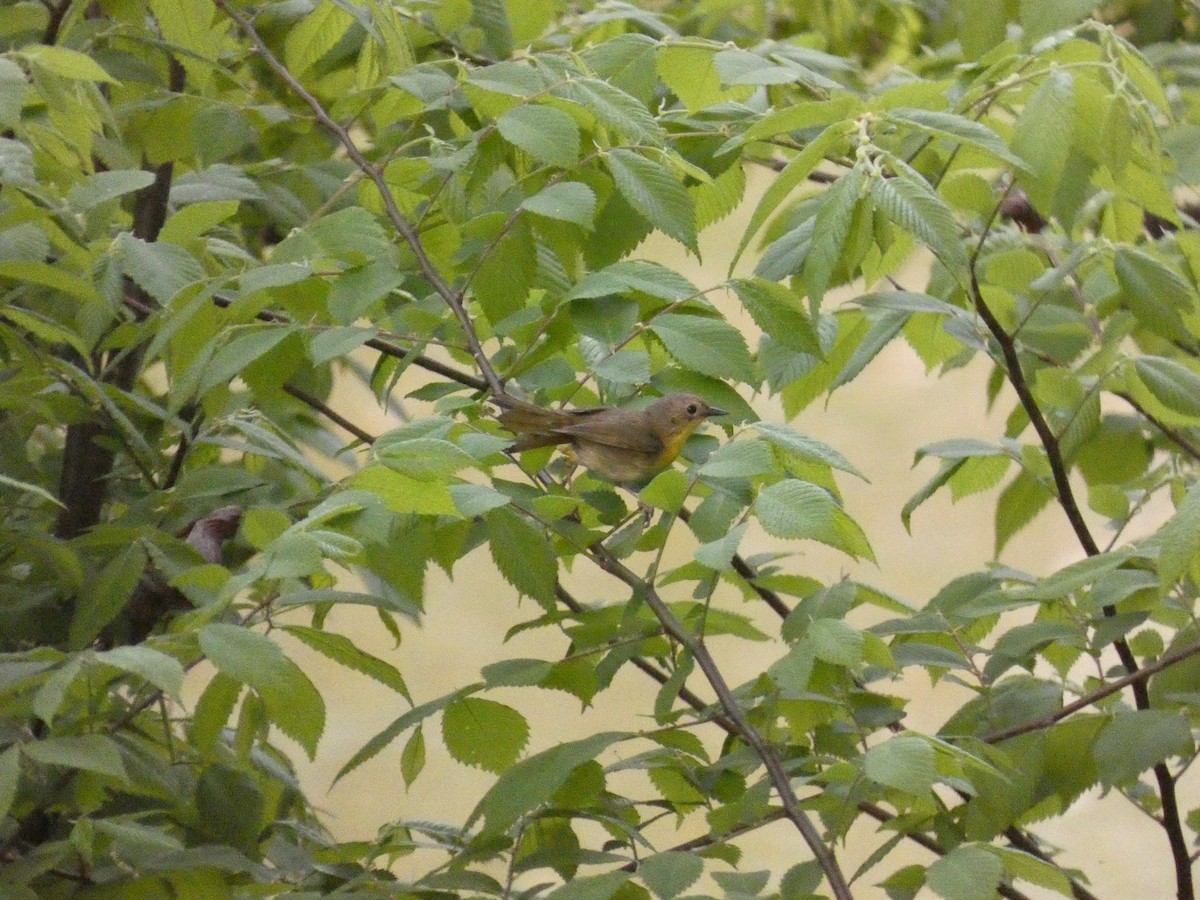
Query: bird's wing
(594, 426)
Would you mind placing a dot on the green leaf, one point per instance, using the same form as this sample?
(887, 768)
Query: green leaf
(629, 275)
(1019, 503)
(1137, 740)
(1179, 539)
(161, 670)
(655, 194)
(968, 872)
(906, 762)
(797, 509)
(10, 775)
(914, 207)
(791, 441)
(34, 489)
(523, 555)
(404, 493)
(593, 887)
(484, 733)
(67, 63)
(492, 18)
(1043, 17)
(1154, 292)
(532, 781)
(709, 346)
(670, 873)
(161, 270)
(90, 752)
(667, 490)
(778, 312)
(315, 35)
(412, 757)
(104, 186)
(717, 555)
(1026, 867)
(547, 134)
(102, 599)
(957, 128)
(290, 699)
(342, 650)
(836, 642)
(1043, 136)
(830, 228)
(422, 457)
(613, 108)
(1172, 383)
(567, 201)
(739, 459)
(792, 175)
(691, 74)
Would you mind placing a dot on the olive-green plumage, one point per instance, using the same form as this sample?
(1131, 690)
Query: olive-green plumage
(624, 446)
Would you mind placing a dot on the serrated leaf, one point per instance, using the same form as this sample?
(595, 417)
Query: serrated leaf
(1172, 383)
(343, 651)
(788, 439)
(671, 873)
(791, 176)
(836, 642)
(68, 63)
(968, 872)
(533, 780)
(567, 201)
(709, 346)
(104, 186)
(717, 555)
(404, 493)
(1019, 502)
(914, 206)
(905, 762)
(1179, 539)
(779, 313)
(315, 35)
(290, 699)
(592, 887)
(957, 128)
(1137, 740)
(655, 194)
(522, 554)
(1043, 135)
(90, 752)
(163, 671)
(412, 757)
(547, 134)
(106, 595)
(10, 774)
(739, 459)
(161, 270)
(646, 277)
(830, 228)
(613, 108)
(797, 509)
(484, 733)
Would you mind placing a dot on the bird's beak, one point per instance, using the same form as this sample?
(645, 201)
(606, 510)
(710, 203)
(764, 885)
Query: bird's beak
(713, 412)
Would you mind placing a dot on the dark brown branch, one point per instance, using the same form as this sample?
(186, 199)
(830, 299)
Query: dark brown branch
(328, 412)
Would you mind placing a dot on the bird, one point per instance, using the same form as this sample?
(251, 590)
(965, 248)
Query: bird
(626, 447)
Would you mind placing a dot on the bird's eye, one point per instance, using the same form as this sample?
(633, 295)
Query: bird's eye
(692, 409)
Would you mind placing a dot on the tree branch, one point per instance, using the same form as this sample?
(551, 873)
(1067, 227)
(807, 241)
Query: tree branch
(746, 731)
(399, 221)
(1171, 821)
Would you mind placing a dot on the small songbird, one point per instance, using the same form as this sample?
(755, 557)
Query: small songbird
(625, 446)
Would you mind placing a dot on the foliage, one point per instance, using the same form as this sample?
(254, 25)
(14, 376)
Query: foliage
(211, 211)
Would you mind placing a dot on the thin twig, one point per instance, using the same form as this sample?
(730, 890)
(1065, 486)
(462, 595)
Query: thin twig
(399, 221)
(746, 731)
(1113, 687)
